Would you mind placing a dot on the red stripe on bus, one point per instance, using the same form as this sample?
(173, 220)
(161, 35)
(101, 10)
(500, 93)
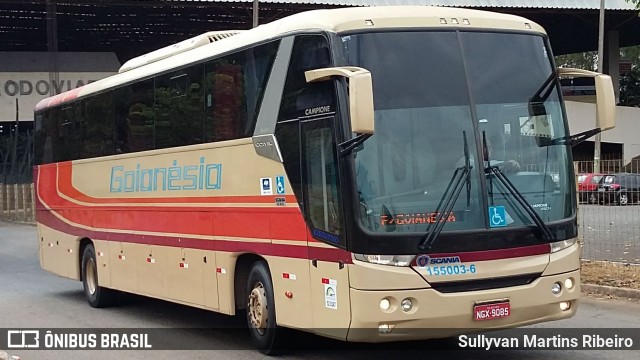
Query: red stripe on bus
(283, 223)
(282, 250)
(58, 99)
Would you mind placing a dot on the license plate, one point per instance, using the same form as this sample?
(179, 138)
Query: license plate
(601, 189)
(491, 311)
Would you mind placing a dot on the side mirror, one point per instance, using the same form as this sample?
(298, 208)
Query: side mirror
(605, 96)
(360, 94)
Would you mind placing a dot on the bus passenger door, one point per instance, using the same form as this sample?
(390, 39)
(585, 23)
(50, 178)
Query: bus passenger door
(328, 273)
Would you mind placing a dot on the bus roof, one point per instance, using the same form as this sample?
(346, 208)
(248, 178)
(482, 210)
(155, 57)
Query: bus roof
(332, 20)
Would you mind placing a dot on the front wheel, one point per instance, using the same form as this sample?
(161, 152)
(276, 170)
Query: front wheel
(96, 295)
(623, 199)
(261, 311)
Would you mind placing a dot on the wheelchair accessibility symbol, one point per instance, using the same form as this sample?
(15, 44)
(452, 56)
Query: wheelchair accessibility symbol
(279, 185)
(497, 216)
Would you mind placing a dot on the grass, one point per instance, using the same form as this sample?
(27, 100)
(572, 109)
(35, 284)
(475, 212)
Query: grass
(611, 274)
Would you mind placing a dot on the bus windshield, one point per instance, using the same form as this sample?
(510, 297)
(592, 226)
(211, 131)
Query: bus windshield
(436, 90)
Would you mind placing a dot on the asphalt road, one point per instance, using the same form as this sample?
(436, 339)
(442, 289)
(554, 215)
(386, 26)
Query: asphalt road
(32, 298)
(610, 232)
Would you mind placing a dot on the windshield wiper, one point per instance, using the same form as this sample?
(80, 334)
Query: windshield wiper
(449, 198)
(521, 200)
(347, 146)
(572, 140)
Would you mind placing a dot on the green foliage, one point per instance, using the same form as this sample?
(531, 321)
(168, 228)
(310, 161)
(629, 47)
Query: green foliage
(586, 60)
(630, 88)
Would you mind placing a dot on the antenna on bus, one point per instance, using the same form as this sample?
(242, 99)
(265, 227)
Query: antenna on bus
(171, 50)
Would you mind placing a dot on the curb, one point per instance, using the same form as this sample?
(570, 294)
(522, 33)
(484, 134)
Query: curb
(611, 290)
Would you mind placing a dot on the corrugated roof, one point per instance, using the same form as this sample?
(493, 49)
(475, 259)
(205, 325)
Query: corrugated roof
(542, 4)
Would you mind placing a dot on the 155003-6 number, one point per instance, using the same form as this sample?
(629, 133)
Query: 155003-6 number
(451, 270)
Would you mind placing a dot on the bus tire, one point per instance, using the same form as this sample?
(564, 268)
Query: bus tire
(96, 295)
(261, 311)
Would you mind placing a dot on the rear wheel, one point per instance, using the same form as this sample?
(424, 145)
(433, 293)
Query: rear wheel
(623, 199)
(96, 295)
(261, 311)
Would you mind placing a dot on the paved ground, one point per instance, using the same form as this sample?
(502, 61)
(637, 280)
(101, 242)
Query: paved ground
(30, 297)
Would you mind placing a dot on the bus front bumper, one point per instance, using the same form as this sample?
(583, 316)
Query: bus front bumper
(438, 315)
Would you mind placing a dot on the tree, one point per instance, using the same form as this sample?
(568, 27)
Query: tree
(586, 60)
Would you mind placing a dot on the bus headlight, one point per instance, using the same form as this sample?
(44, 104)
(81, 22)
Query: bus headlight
(391, 260)
(385, 304)
(568, 283)
(406, 305)
(561, 245)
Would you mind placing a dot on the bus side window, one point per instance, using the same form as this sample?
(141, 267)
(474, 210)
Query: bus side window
(225, 88)
(179, 109)
(135, 119)
(98, 115)
(321, 178)
(309, 52)
(234, 86)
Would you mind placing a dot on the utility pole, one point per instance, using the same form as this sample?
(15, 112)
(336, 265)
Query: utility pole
(256, 9)
(14, 148)
(597, 143)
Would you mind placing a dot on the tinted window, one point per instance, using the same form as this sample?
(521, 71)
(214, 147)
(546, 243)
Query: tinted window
(234, 86)
(69, 132)
(135, 117)
(99, 125)
(179, 107)
(321, 184)
(309, 52)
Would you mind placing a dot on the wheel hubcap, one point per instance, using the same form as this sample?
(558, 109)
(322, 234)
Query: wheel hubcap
(90, 273)
(258, 308)
(623, 199)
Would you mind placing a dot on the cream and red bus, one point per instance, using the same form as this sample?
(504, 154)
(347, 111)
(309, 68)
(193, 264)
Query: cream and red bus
(368, 174)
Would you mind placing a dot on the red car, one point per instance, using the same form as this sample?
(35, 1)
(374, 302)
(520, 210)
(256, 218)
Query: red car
(588, 186)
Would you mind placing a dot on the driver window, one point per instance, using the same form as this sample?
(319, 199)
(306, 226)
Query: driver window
(321, 178)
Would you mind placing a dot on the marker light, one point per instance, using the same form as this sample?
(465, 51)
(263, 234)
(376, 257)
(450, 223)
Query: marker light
(391, 260)
(384, 328)
(565, 305)
(561, 245)
(406, 305)
(454, 21)
(568, 283)
(385, 304)
(556, 288)
(465, 22)
(368, 22)
(443, 21)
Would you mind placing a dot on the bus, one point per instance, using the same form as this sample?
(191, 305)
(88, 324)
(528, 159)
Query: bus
(367, 174)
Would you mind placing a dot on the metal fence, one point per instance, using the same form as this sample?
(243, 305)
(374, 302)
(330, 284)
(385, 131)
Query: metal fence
(16, 158)
(609, 212)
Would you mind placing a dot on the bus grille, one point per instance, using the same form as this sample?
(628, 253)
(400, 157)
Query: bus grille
(484, 284)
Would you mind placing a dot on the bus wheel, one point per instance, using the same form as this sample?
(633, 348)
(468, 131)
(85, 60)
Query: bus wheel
(261, 311)
(96, 295)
